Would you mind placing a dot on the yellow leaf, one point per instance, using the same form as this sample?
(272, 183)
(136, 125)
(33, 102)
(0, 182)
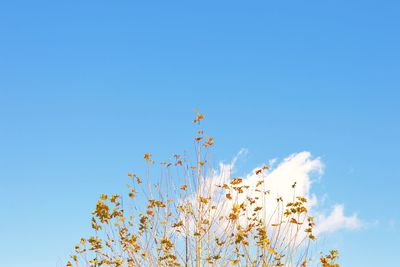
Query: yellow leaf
(199, 117)
(203, 200)
(293, 220)
(236, 181)
(271, 251)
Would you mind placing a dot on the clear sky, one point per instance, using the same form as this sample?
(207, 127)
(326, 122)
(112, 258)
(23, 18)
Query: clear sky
(87, 87)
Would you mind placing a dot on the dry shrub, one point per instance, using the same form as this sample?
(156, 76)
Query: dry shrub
(181, 218)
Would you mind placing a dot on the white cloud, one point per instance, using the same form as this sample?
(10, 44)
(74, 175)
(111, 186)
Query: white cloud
(295, 168)
(337, 220)
(300, 168)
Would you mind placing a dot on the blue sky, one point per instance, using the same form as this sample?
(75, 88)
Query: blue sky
(87, 87)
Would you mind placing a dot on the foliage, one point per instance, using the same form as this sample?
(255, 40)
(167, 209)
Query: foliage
(184, 219)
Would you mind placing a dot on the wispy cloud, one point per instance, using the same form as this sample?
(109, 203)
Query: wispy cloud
(337, 220)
